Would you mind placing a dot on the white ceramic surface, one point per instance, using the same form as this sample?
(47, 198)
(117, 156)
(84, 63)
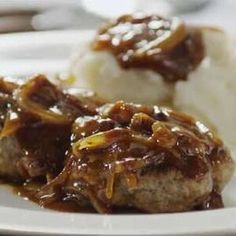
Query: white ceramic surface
(24, 54)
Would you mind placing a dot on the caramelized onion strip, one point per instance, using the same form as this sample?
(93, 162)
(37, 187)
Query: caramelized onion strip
(25, 103)
(10, 126)
(168, 40)
(100, 140)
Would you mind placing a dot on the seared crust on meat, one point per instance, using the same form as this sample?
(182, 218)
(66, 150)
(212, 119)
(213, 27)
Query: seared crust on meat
(10, 153)
(163, 192)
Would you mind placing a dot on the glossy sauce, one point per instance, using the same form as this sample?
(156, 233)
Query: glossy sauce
(213, 201)
(28, 191)
(129, 141)
(166, 46)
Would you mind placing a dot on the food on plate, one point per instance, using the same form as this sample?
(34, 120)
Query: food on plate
(153, 60)
(79, 149)
(36, 119)
(146, 157)
(109, 152)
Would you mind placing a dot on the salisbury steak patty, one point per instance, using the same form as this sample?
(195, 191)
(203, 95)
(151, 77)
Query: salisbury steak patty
(149, 158)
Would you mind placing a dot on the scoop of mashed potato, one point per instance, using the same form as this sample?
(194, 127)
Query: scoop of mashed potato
(100, 72)
(209, 93)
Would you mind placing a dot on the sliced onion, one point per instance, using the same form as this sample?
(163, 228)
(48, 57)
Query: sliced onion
(110, 183)
(101, 140)
(167, 41)
(10, 126)
(26, 104)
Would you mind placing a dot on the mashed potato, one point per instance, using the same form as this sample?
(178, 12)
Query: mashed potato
(209, 93)
(100, 72)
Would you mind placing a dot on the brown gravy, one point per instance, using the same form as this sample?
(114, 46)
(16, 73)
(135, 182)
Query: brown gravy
(28, 190)
(166, 46)
(213, 201)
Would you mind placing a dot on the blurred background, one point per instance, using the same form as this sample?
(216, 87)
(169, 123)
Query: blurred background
(41, 15)
(51, 51)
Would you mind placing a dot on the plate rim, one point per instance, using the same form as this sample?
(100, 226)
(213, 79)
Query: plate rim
(74, 223)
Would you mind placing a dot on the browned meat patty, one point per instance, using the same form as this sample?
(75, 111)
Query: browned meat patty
(149, 158)
(36, 119)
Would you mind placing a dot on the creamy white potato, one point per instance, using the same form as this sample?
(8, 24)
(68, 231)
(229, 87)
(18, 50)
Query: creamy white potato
(100, 72)
(210, 92)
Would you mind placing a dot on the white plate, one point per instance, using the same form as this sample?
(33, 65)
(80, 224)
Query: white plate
(24, 54)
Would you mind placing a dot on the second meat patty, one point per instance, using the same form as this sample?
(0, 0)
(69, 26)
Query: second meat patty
(149, 158)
